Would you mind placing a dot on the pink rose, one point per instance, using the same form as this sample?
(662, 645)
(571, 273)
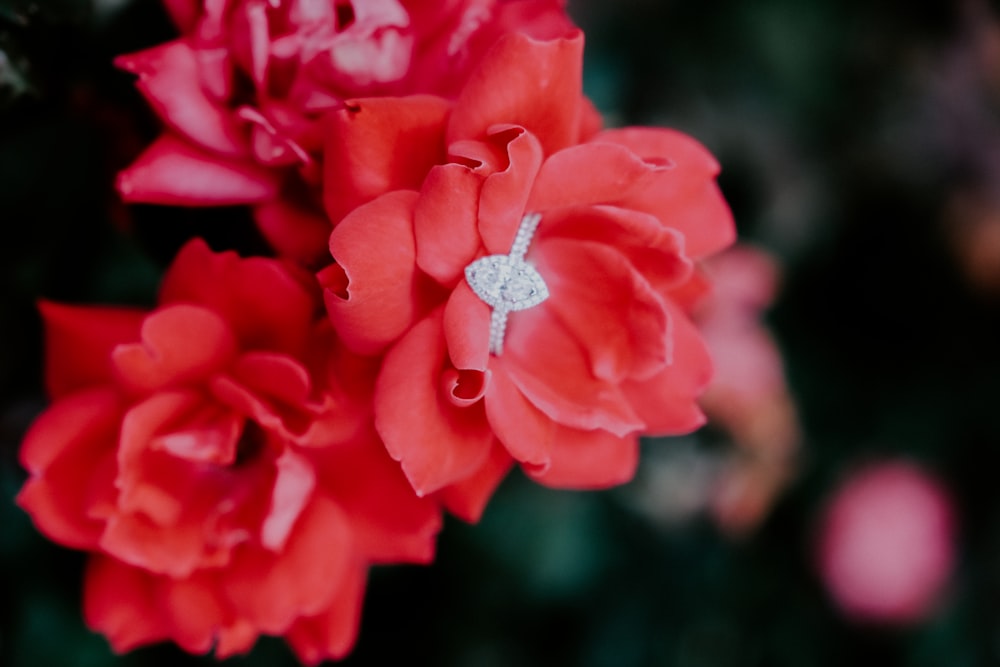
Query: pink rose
(244, 89)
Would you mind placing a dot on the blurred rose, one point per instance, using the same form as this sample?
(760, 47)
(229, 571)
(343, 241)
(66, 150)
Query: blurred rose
(218, 458)
(244, 88)
(748, 397)
(886, 546)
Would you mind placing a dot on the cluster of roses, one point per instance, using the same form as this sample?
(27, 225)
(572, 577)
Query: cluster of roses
(469, 274)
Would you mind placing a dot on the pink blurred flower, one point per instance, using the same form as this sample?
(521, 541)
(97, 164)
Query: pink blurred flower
(748, 397)
(886, 547)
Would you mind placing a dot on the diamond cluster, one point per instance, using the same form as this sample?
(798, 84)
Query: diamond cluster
(507, 283)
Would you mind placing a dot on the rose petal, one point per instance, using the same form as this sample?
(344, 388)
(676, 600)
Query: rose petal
(273, 390)
(169, 79)
(235, 638)
(209, 435)
(445, 222)
(593, 173)
(589, 460)
(377, 145)
(179, 344)
(79, 341)
(195, 611)
(332, 633)
(655, 251)
(266, 304)
(294, 231)
(273, 590)
(541, 84)
(173, 172)
(607, 306)
(505, 194)
(667, 146)
(523, 429)
(437, 442)
(372, 292)
(292, 489)
(667, 401)
(467, 329)
(140, 425)
(122, 603)
(467, 499)
(390, 523)
(684, 194)
(550, 368)
(75, 433)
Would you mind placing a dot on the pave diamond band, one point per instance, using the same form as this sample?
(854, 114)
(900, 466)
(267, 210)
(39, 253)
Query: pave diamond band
(507, 283)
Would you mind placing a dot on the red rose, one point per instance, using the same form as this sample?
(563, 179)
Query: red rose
(217, 456)
(243, 90)
(593, 240)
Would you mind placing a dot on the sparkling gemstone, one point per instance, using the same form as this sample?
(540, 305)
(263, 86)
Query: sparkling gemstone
(506, 283)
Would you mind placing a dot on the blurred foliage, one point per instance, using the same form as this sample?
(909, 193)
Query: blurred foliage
(852, 137)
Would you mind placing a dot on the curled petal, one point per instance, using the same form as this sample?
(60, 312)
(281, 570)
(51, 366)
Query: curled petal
(377, 145)
(592, 173)
(467, 329)
(505, 193)
(665, 146)
(79, 341)
(437, 442)
(372, 292)
(276, 392)
(444, 222)
(683, 194)
(266, 304)
(173, 172)
(179, 344)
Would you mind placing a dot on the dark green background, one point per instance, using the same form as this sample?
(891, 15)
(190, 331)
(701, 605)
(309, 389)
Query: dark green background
(845, 129)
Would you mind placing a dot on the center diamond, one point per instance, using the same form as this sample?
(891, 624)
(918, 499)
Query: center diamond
(506, 283)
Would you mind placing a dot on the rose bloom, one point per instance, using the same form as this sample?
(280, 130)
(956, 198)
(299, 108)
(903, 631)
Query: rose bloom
(561, 365)
(244, 89)
(216, 456)
(887, 543)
